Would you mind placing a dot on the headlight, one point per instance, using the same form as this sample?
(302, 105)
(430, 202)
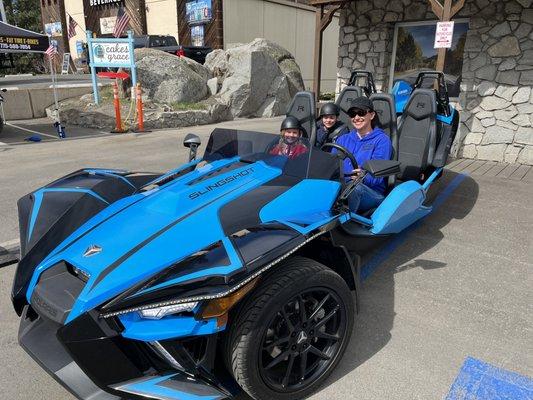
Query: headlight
(160, 312)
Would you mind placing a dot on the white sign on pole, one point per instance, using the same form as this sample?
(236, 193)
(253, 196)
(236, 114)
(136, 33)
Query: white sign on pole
(443, 35)
(111, 53)
(65, 64)
(107, 25)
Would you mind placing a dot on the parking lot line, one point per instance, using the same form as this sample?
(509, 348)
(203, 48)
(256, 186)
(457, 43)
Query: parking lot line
(30, 131)
(479, 380)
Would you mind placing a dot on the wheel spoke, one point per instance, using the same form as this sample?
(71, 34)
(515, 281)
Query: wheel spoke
(278, 359)
(319, 306)
(289, 369)
(327, 317)
(301, 308)
(319, 353)
(276, 343)
(303, 365)
(325, 335)
(287, 319)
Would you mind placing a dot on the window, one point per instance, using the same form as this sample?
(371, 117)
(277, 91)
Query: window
(413, 51)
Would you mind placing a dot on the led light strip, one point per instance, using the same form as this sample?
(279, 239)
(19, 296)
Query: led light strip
(219, 295)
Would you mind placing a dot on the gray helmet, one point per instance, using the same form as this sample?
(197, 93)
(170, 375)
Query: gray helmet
(329, 109)
(291, 122)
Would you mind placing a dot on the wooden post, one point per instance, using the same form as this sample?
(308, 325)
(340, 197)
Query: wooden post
(322, 19)
(444, 13)
(317, 69)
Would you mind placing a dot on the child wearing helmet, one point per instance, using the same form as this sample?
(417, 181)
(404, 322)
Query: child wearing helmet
(290, 142)
(328, 127)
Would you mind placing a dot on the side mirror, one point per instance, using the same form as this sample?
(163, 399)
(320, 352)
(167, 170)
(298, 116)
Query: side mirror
(4, 90)
(192, 141)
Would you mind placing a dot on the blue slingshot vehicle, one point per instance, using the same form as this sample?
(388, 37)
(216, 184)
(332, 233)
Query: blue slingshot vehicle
(242, 267)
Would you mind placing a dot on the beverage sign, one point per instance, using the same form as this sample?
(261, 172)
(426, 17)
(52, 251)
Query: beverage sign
(111, 53)
(198, 11)
(443, 35)
(94, 3)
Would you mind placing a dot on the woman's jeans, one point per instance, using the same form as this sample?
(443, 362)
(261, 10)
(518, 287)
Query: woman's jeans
(363, 198)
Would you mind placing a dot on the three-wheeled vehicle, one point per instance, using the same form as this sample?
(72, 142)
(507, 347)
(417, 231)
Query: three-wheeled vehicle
(239, 267)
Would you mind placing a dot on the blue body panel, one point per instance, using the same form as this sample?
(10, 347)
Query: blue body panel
(169, 327)
(130, 221)
(154, 386)
(447, 120)
(401, 208)
(171, 207)
(295, 207)
(401, 91)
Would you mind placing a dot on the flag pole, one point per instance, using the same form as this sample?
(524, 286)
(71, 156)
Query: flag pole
(78, 25)
(52, 71)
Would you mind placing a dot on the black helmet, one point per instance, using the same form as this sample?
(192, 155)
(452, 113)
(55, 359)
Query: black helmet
(329, 109)
(291, 122)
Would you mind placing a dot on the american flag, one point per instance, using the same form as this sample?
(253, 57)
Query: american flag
(121, 22)
(71, 27)
(51, 51)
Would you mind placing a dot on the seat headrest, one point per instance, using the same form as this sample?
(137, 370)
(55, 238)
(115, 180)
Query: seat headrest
(345, 100)
(385, 109)
(303, 108)
(421, 104)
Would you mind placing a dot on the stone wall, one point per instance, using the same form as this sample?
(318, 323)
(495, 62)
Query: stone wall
(497, 80)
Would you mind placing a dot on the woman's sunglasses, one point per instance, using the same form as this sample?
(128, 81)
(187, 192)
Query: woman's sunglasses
(359, 113)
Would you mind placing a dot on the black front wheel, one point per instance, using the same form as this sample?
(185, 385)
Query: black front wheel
(291, 332)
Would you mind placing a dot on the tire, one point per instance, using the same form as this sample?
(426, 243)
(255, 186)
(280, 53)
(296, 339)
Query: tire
(274, 351)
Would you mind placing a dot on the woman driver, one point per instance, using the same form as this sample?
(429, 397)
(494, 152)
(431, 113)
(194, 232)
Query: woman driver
(366, 142)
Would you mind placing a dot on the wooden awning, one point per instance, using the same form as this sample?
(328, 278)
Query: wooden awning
(326, 9)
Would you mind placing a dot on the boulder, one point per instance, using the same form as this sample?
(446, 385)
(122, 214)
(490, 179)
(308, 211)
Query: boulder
(258, 78)
(166, 78)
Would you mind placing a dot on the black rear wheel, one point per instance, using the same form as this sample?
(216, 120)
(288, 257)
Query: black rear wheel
(291, 332)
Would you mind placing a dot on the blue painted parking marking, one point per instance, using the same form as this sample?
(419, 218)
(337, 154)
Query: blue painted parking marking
(478, 380)
(372, 264)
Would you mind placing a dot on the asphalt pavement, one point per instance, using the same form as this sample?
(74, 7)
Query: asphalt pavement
(445, 305)
(36, 130)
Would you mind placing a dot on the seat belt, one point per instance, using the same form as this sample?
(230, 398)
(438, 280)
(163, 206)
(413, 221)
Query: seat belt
(336, 133)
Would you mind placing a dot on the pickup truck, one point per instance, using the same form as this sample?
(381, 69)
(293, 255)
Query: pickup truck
(170, 45)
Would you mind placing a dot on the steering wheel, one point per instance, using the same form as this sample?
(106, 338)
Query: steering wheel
(344, 151)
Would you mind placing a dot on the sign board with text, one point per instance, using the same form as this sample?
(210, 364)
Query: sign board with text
(443, 35)
(66, 63)
(110, 53)
(107, 25)
(94, 3)
(198, 11)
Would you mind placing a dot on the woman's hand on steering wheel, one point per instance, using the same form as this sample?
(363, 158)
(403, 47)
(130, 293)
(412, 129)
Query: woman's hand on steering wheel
(344, 151)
